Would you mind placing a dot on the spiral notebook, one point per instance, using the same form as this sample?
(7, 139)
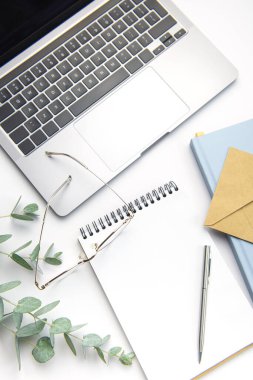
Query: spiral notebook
(152, 275)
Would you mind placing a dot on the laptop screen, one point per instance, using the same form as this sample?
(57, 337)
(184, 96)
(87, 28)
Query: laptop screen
(22, 22)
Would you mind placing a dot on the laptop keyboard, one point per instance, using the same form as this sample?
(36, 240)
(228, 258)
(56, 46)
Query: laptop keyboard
(58, 88)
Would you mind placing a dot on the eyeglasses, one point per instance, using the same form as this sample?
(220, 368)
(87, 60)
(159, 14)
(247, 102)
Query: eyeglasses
(95, 247)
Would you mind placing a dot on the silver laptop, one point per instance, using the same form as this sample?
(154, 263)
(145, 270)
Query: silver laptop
(101, 80)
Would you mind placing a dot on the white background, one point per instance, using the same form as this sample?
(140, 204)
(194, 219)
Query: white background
(228, 24)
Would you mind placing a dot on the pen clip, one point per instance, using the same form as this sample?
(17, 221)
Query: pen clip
(209, 270)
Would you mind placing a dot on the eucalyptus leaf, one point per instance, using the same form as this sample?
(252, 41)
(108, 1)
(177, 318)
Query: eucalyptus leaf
(52, 261)
(31, 208)
(16, 204)
(22, 217)
(114, 351)
(35, 253)
(70, 343)
(100, 354)
(57, 254)
(60, 325)
(105, 339)
(49, 251)
(52, 339)
(22, 247)
(19, 260)
(92, 340)
(43, 351)
(77, 327)
(18, 352)
(31, 329)
(1, 308)
(17, 319)
(126, 359)
(27, 305)
(45, 309)
(8, 286)
(3, 238)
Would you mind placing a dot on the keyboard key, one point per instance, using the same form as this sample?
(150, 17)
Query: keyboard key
(5, 111)
(32, 124)
(13, 121)
(134, 65)
(18, 101)
(141, 26)
(120, 42)
(109, 50)
(78, 90)
(152, 18)
(19, 134)
(105, 21)
(146, 56)
(113, 64)
(53, 92)
(101, 73)
(15, 87)
(63, 118)
(99, 91)
(50, 128)
(137, 1)
(116, 13)
(108, 34)
(156, 6)
(90, 81)
(64, 84)
(41, 84)
(134, 48)
(29, 109)
(119, 26)
(145, 40)
(50, 61)
(75, 59)
(169, 41)
(38, 137)
(41, 101)
(4, 95)
(87, 67)
(56, 107)
(53, 75)
(72, 45)
(140, 11)
(67, 98)
(29, 93)
(87, 51)
(130, 18)
(123, 56)
(98, 59)
(76, 75)
(94, 29)
(83, 37)
(26, 146)
(180, 33)
(27, 78)
(131, 34)
(44, 116)
(38, 70)
(158, 50)
(98, 43)
(162, 27)
(61, 53)
(64, 67)
(126, 5)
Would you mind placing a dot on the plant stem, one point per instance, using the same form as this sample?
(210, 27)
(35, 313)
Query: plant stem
(5, 216)
(6, 300)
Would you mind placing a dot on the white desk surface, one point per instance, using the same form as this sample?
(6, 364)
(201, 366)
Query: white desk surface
(228, 24)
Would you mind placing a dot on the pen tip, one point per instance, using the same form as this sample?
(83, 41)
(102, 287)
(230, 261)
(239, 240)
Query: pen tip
(200, 355)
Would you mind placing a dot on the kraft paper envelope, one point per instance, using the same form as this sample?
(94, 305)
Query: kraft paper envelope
(231, 209)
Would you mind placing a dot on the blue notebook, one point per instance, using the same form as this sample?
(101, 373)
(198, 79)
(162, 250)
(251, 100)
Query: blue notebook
(210, 152)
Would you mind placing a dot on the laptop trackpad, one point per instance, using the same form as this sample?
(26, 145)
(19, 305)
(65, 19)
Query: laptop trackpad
(131, 119)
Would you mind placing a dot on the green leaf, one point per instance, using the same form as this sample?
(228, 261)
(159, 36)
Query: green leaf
(105, 339)
(17, 319)
(16, 204)
(70, 343)
(58, 254)
(52, 339)
(49, 250)
(19, 260)
(27, 305)
(46, 309)
(8, 286)
(22, 247)
(60, 325)
(1, 308)
(77, 327)
(127, 359)
(100, 354)
(43, 350)
(31, 208)
(3, 238)
(31, 329)
(52, 261)
(35, 253)
(18, 352)
(22, 217)
(92, 340)
(114, 351)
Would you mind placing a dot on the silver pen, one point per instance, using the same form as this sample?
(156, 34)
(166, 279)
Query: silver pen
(206, 274)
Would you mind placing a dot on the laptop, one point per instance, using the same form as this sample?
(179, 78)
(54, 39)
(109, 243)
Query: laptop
(100, 80)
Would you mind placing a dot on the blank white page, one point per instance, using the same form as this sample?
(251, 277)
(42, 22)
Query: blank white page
(152, 276)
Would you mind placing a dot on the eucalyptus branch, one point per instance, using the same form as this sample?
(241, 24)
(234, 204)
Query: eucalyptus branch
(28, 213)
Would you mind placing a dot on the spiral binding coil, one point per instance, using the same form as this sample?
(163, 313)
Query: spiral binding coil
(138, 204)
